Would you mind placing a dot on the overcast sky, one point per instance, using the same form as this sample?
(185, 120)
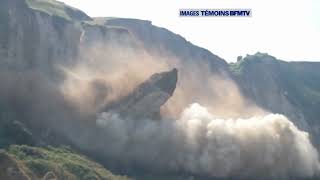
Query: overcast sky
(287, 29)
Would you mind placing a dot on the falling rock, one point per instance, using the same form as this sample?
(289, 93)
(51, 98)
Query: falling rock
(145, 101)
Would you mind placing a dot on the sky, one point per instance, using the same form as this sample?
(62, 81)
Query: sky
(286, 29)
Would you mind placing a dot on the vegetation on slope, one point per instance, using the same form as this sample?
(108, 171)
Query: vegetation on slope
(62, 163)
(29, 162)
(239, 67)
(56, 8)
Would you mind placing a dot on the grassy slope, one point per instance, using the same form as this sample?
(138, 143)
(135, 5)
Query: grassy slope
(56, 8)
(36, 162)
(50, 7)
(62, 162)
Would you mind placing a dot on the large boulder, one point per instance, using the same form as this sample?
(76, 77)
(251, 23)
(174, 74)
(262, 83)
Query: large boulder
(145, 101)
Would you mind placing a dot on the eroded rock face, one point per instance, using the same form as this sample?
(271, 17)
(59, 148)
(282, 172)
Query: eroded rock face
(44, 35)
(161, 42)
(145, 101)
(34, 39)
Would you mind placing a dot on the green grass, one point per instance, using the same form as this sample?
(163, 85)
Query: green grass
(51, 7)
(63, 162)
(100, 22)
(238, 68)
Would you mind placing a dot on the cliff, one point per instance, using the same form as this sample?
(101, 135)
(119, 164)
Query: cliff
(289, 88)
(38, 37)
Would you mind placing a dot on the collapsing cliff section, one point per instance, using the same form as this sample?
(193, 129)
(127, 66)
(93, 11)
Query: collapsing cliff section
(145, 101)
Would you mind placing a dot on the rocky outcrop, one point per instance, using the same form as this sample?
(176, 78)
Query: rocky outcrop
(145, 101)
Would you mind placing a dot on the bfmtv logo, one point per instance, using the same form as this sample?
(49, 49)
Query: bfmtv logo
(215, 12)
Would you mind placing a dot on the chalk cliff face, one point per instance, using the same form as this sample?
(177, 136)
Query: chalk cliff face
(35, 39)
(160, 41)
(274, 85)
(39, 36)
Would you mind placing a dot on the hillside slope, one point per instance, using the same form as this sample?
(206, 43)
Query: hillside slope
(290, 88)
(24, 162)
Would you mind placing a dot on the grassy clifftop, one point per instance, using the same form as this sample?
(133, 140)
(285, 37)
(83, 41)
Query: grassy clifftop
(56, 8)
